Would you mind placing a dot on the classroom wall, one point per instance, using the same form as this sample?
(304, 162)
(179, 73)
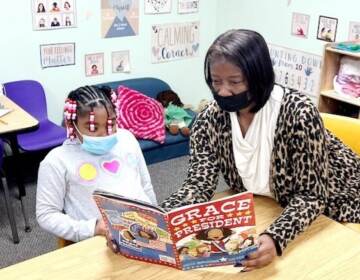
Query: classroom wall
(273, 19)
(20, 54)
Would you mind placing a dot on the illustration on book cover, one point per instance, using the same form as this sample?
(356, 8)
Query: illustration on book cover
(218, 232)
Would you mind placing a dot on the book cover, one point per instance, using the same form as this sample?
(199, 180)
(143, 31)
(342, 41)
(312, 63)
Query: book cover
(218, 232)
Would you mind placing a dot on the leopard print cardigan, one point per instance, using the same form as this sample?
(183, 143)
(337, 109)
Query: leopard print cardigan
(312, 172)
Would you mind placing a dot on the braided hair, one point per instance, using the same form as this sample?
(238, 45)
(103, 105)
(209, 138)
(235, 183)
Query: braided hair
(83, 100)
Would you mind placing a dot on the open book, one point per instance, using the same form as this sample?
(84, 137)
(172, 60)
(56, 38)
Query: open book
(218, 232)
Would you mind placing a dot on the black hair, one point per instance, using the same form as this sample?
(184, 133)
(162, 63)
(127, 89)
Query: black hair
(166, 97)
(41, 8)
(89, 97)
(247, 50)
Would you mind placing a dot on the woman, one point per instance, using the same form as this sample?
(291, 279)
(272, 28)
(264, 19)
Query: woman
(269, 141)
(41, 8)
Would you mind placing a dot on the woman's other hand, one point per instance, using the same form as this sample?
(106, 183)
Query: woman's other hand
(263, 256)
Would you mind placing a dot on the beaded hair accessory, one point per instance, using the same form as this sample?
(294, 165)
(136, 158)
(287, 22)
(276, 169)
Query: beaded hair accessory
(116, 102)
(109, 126)
(70, 116)
(92, 121)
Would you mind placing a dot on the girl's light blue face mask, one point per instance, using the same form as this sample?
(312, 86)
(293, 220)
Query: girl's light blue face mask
(98, 145)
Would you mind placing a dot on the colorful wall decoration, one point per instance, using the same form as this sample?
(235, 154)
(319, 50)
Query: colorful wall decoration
(174, 41)
(54, 55)
(296, 69)
(119, 18)
(157, 6)
(50, 14)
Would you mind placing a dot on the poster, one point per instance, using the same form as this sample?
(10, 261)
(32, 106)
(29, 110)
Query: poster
(119, 18)
(354, 31)
(94, 64)
(157, 6)
(54, 55)
(120, 61)
(327, 27)
(188, 6)
(174, 41)
(300, 25)
(296, 69)
(50, 14)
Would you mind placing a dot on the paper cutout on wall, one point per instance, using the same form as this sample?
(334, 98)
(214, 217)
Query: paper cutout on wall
(119, 18)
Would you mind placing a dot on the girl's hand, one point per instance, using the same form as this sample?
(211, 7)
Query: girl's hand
(263, 256)
(100, 228)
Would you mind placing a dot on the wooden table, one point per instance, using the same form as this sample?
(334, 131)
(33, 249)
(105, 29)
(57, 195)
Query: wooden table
(12, 123)
(327, 250)
(17, 120)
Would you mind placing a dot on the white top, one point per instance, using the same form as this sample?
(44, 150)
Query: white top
(69, 175)
(253, 152)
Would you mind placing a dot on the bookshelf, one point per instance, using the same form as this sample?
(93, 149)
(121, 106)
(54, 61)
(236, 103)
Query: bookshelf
(331, 101)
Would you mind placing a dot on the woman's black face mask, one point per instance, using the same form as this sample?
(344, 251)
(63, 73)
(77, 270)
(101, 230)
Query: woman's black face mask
(233, 103)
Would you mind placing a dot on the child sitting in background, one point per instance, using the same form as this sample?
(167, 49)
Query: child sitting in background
(96, 155)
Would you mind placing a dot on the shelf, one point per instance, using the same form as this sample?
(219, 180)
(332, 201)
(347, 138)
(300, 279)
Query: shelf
(341, 97)
(353, 54)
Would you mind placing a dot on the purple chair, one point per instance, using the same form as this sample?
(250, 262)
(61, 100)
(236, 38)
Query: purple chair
(8, 203)
(30, 96)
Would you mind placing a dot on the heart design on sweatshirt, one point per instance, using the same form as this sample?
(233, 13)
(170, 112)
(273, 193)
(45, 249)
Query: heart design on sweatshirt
(111, 166)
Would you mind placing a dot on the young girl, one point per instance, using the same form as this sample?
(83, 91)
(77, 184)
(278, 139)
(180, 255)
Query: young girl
(96, 155)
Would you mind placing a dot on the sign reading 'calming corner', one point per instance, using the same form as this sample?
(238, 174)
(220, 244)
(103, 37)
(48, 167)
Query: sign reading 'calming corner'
(174, 41)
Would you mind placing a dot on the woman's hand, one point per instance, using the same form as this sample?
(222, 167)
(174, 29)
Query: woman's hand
(100, 228)
(264, 255)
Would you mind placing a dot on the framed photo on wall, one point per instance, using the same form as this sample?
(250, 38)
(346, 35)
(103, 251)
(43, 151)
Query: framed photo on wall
(55, 55)
(120, 61)
(94, 64)
(188, 6)
(327, 28)
(157, 6)
(53, 14)
(300, 25)
(354, 31)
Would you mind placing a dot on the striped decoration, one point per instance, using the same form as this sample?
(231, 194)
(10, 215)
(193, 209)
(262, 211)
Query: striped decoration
(140, 114)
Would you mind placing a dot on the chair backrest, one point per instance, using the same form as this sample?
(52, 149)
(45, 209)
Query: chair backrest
(29, 95)
(345, 128)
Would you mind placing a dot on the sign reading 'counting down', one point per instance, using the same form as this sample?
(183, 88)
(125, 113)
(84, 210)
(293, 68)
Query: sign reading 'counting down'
(296, 69)
(174, 41)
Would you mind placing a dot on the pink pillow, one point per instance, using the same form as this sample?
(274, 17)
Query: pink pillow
(142, 115)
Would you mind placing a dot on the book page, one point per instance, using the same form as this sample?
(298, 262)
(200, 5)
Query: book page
(218, 232)
(138, 230)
